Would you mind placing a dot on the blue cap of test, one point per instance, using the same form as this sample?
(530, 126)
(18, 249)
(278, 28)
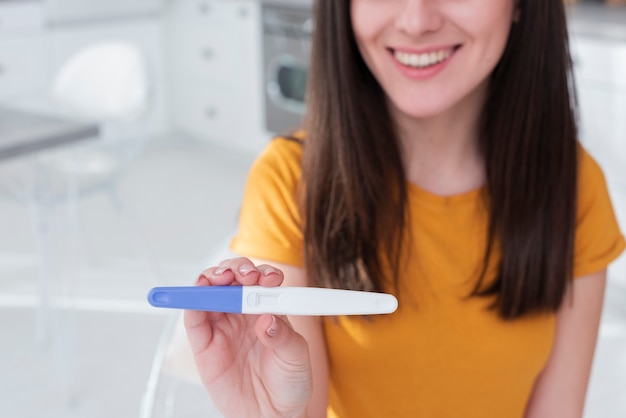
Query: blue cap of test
(202, 298)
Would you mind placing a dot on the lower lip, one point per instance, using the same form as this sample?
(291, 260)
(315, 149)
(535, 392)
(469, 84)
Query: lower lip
(422, 73)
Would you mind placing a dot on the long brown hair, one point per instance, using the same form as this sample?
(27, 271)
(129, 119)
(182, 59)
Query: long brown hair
(354, 183)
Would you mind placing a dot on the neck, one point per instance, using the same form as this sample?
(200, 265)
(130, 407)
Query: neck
(441, 153)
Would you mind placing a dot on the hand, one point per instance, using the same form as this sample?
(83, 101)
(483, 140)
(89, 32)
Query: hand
(251, 365)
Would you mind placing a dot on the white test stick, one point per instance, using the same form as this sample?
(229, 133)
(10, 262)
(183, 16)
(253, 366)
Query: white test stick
(310, 301)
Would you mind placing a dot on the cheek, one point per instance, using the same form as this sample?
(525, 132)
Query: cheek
(370, 18)
(490, 19)
(496, 43)
(489, 32)
(361, 26)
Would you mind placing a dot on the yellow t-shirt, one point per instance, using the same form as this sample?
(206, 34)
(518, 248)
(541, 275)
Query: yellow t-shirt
(440, 354)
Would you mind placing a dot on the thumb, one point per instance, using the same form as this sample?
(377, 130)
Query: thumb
(277, 334)
(287, 369)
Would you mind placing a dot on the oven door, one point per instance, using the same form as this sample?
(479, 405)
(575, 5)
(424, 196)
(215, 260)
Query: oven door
(286, 49)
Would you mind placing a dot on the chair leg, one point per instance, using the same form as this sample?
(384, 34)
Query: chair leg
(41, 216)
(140, 238)
(55, 327)
(68, 281)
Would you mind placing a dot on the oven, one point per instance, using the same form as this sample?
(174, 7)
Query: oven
(287, 28)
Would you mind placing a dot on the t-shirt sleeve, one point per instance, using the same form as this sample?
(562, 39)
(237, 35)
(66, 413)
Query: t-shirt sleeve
(598, 238)
(269, 221)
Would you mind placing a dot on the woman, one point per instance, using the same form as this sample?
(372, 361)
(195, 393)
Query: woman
(439, 163)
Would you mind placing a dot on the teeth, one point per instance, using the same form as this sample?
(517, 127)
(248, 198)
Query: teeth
(422, 60)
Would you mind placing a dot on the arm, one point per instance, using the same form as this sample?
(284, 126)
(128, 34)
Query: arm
(561, 388)
(311, 329)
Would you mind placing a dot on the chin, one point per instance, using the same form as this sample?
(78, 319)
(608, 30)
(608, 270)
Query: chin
(421, 110)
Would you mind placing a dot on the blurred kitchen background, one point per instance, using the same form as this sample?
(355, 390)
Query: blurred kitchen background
(136, 181)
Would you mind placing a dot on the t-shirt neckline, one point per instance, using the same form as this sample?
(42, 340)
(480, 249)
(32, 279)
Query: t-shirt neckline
(458, 198)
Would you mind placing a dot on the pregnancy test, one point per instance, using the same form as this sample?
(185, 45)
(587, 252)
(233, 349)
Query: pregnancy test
(313, 301)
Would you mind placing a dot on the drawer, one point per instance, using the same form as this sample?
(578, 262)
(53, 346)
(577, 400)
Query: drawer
(213, 12)
(207, 112)
(213, 54)
(202, 52)
(215, 115)
(22, 66)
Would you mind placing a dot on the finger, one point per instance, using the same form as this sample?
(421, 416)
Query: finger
(244, 270)
(218, 276)
(198, 329)
(195, 319)
(270, 276)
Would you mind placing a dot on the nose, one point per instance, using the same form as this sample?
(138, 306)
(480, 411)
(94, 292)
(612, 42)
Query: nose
(416, 17)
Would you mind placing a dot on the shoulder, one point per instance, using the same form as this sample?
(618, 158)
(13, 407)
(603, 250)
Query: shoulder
(589, 171)
(276, 172)
(282, 155)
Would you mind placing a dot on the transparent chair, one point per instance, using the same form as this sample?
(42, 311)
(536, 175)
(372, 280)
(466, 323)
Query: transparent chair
(174, 389)
(108, 83)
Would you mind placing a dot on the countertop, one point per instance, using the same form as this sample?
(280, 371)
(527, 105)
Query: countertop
(24, 133)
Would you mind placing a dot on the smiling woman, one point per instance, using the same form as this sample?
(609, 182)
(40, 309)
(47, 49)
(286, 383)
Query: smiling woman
(438, 162)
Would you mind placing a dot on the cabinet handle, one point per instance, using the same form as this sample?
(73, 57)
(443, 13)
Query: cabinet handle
(204, 8)
(211, 112)
(208, 53)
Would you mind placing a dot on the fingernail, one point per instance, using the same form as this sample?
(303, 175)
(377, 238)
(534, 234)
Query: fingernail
(272, 330)
(270, 270)
(220, 270)
(246, 269)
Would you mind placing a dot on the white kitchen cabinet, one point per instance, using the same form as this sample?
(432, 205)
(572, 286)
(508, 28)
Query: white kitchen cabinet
(20, 16)
(600, 72)
(214, 50)
(22, 51)
(22, 65)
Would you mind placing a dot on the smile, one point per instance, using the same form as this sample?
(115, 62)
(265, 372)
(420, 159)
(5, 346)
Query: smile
(422, 60)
